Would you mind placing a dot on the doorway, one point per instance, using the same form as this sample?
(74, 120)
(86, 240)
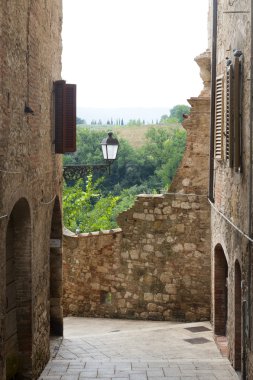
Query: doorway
(56, 313)
(238, 317)
(18, 317)
(220, 291)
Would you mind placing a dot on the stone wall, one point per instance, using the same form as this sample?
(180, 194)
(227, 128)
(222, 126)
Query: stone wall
(30, 180)
(158, 266)
(150, 270)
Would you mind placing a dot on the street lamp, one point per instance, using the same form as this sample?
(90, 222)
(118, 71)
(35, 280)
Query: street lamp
(109, 148)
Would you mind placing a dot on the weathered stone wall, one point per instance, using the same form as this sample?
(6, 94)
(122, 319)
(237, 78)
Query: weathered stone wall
(151, 270)
(231, 193)
(158, 267)
(30, 178)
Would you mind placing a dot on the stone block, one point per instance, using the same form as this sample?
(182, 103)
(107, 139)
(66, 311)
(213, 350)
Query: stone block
(158, 297)
(177, 248)
(134, 254)
(148, 297)
(180, 228)
(189, 247)
(167, 210)
(166, 277)
(149, 217)
(148, 248)
(171, 289)
(152, 307)
(185, 205)
(176, 204)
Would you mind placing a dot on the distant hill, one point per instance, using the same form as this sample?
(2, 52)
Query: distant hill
(125, 113)
(134, 134)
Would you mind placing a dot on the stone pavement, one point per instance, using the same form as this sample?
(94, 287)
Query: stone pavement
(109, 349)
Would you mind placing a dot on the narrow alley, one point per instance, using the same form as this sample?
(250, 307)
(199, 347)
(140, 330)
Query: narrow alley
(109, 349)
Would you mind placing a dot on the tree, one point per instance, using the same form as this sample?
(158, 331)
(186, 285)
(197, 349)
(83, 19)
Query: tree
(80, 121)
(164, 119)
(178, 111)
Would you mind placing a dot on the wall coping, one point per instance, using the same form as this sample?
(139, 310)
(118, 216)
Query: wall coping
(68, 233)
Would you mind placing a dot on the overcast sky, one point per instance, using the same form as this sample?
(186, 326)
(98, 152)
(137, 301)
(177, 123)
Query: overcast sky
(133, 53)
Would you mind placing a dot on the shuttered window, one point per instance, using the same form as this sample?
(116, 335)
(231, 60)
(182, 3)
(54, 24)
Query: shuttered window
(237, 114)
(229, 115)
(65, 117)
(219, 117)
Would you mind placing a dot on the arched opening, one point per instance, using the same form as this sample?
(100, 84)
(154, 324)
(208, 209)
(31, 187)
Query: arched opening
(220, 291)
(56, 313)
(238, 317)
(18, 318)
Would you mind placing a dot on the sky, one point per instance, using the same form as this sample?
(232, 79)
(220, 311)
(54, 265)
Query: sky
(133, 53)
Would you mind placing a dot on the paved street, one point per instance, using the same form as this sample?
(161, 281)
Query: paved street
(109, 349)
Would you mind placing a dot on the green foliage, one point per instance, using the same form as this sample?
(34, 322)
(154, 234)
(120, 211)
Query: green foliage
(95, 204)
(86, 208)
(173, 151)
(178, 111)
(88, 148)
(168, 120)
(165, 149)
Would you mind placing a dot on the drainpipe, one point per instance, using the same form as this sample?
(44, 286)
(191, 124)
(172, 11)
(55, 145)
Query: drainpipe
(212, 118)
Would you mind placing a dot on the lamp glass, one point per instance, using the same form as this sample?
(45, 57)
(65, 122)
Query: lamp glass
(109, 151)
(110, 147)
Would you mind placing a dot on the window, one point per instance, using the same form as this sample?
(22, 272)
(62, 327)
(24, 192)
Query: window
(229, 115)
(219, 118)
(65, 117)
(237, 114)
(231, 119)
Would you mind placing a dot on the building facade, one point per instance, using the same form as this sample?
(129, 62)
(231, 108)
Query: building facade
(230, 179)
(30, 186)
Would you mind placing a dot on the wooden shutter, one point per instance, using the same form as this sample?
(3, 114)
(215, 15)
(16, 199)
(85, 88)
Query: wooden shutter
(237, 114)
(229, 116)
(65, 117)
(219, 117)
(70, 118)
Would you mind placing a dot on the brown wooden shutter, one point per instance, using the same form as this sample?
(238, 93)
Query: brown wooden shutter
(65, 117)
(219, 117)
(229, 116)
(70, 118)
(237, 116)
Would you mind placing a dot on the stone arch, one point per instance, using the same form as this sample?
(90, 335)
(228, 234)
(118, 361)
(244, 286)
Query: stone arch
(56, 313)
(220, 291)
(18, 316)
(238, 316)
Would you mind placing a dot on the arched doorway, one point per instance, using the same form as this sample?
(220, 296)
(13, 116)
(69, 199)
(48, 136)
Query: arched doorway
(220, 291)
(18, 317)
(56, 314)
(238, 317)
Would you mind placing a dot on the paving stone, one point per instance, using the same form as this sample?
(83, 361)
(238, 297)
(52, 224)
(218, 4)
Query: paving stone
(155, 372)
(172, 371)
(138, 376)
(143, 351)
